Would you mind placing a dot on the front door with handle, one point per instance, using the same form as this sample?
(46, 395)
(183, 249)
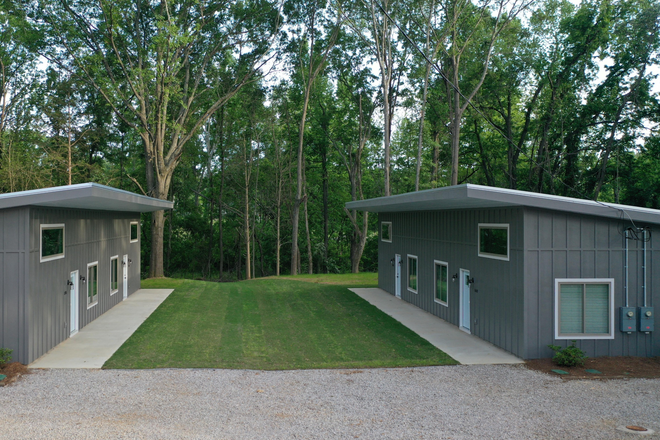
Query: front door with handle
(465, 300)
(124, 267)
(73, 303)
(397, 280)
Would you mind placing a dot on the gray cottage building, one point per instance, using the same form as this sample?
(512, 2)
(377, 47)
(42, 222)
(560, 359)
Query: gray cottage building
(67, 255)
(524, 270)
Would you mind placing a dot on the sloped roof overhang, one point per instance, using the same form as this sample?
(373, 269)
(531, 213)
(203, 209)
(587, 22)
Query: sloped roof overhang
(470, 196)
(84, 196)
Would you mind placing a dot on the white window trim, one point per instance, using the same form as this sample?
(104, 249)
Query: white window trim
(435, 282)
(138, 232)
(559, 281)
(41, 242)
(508, 240)
(89, 306)
(381, 231)
(408, 257)
(112, 292)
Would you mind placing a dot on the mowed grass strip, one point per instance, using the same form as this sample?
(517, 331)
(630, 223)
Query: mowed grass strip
(270, 324)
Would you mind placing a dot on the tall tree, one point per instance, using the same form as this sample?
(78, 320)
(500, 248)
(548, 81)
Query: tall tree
(150, 62)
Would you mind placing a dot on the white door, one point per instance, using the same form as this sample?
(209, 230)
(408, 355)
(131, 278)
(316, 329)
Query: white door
(73, 303)
(124, 266)
(397, 269)
(465, 300)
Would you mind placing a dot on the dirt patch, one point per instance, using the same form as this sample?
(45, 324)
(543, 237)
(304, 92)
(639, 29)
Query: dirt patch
(13, 371)
(618, 367)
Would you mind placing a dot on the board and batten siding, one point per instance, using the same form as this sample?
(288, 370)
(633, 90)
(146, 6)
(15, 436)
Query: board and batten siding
(452, 236)
(564, 245)
(14, 272)
(89, 236)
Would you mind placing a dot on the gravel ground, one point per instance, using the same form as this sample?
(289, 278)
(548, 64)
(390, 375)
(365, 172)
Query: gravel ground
(458, 402)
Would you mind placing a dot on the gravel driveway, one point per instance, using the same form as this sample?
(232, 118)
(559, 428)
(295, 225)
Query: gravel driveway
(458, 402)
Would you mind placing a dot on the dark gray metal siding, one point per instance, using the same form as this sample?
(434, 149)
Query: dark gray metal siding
(14, 245)
(452, 236)
(562, 245)
(89, 236)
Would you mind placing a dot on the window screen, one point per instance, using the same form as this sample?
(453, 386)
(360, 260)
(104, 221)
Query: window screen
(494, 241)
(441, 282)
(412, 273)
(52, 241)
(584, 309)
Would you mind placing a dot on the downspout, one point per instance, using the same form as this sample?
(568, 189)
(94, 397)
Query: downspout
(625, 267)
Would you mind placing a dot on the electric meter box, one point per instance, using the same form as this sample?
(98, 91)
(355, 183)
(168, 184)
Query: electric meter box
(628, 319)
(646, 318)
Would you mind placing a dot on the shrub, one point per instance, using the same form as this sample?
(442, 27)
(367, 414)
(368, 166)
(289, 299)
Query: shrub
(570, 356)
(5, 356)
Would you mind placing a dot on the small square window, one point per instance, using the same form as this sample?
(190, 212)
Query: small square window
(52, 242)
(494, 241)
(92, 284)
(441, 282)
(584, 309)
(386, 231)
(412, 273)
(114, 283)
(134, 232)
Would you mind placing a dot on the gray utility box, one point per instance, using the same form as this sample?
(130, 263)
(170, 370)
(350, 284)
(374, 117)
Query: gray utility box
(646, 318)
(628, 319)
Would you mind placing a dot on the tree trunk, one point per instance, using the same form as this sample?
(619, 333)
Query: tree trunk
(310, 259)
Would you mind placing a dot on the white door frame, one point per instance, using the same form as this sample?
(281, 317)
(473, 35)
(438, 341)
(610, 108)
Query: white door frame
(74, 297)
(124, 272)
(397, 275)
(464, 301)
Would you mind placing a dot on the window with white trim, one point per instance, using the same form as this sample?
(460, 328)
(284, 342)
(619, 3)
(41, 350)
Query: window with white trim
(114, 273)
(584, 308)
(92, 284)
(412, 273)
(441, 282)
(386, 231)
(134, 232)
(51, 242)
(494, 240)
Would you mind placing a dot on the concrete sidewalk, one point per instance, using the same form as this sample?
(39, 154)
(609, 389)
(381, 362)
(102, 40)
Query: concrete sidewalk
(465, 348)
(97, 341)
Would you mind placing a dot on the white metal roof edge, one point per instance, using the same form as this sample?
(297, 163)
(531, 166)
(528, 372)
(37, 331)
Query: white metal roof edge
(63, 196)
(502, 197)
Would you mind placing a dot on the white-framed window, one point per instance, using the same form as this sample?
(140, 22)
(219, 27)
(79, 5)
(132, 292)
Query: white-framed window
(135, 231)
(386, 231)
(441, 285)
(51, 242)
(494, 240)
(412, 273)
(92, 282)
(584, 308)
(114, 275)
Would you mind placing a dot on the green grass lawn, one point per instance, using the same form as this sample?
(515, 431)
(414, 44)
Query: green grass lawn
(271, 324)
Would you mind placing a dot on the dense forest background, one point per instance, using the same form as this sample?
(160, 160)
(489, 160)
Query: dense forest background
(260, 118)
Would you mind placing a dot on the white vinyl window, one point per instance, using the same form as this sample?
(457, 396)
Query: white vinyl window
(386, 231)
(92, 282)
(114, 272)
(441, 282)
(494, 240)
(412, 273)
(135, 231)
(51, 242)
(584, 308)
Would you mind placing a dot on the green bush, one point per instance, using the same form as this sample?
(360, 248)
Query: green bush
(5, 356)
(570, 356)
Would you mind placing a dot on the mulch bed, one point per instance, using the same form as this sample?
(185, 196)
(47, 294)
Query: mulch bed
(618, 367)
(13, 371)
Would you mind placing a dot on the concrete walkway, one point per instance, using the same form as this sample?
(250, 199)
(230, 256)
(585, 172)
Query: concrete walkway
(465, 348)
(97, 341)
